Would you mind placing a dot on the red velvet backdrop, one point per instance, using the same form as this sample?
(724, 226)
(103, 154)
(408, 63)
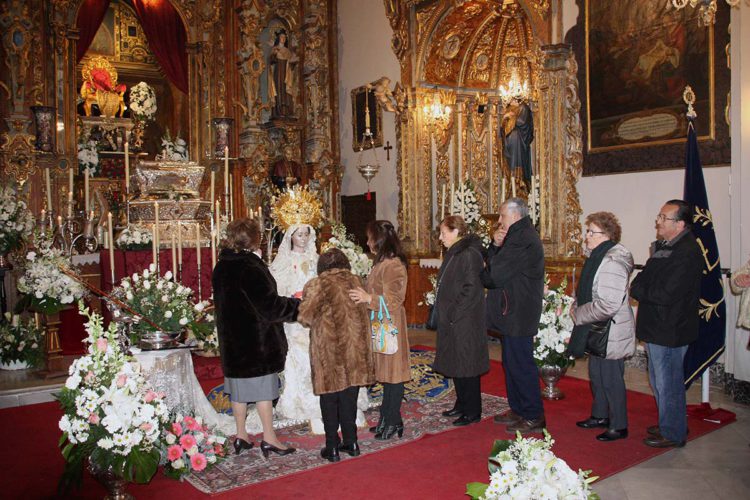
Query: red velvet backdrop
(90, 17)
(166, 37)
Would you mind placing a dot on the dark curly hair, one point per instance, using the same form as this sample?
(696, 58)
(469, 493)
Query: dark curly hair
(242, 234)
(608, 223)
(333, 259)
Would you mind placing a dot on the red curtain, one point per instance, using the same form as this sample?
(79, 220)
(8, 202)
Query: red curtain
(166, 37)
(90, 17)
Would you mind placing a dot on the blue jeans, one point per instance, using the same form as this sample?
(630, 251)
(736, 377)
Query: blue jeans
(668, 383)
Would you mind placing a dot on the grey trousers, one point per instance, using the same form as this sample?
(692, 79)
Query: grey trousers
(608, 386)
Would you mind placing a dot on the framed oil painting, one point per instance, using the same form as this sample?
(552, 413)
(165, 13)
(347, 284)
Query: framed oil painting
(635, 60)
(364, 99)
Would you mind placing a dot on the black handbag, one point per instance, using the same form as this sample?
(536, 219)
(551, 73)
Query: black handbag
(596, 342)
(432, 318)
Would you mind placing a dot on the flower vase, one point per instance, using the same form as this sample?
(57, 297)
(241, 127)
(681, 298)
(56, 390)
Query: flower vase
(114, 484)
(14, 365)
(551, 375)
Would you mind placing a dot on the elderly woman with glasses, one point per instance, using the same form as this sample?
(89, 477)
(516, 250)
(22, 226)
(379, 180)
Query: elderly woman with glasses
(601, 298)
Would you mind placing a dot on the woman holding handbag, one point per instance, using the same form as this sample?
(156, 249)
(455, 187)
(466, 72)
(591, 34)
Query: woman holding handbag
(387, 280)
(604, 324)
(462, 352)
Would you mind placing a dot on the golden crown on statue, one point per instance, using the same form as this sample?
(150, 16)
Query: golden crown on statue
(297, 205)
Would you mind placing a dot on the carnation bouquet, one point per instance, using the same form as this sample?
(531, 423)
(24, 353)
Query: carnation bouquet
(48, 290)
(160, 299)
(112, 417)
(143, 101)
(134, 237)
(189, 446)
(88, 158)
(526, 468)
(15, 220)
(465, 204)
(21, 343)
(555, 328)
(360, 262)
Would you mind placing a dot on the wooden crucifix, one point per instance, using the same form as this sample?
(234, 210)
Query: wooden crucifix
(387, 149)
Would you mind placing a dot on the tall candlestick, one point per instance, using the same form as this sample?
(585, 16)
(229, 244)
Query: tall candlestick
(48, 187)
(442, 205)
(226, 177)
(174, 256)
(86, 188)
(502, 192)
(70, 179)
(179, 244)
(127, 166)
(532, 198)
(154, 251)
(453, 197)
(198, 248)
(459, 144)
(70, 204)
(463, 201)
(60, 222)
(513, 186)
(213, 185)
(157, 243)
(111, 247)
(231, 199)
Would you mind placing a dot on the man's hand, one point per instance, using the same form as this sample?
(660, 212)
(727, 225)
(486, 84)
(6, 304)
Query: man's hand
(499, 236)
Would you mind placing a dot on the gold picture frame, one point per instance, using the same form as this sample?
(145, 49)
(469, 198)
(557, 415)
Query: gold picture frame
(359, 125)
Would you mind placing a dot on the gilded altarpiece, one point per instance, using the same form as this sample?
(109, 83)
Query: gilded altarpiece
(459, 54)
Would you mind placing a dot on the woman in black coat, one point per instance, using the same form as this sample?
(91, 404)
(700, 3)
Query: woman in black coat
(462, 352)
(249, 322)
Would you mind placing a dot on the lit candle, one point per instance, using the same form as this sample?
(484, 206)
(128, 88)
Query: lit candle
(502, 191)
(226, 177)
(127, 166)
(260, 218)
(231, 200)
(86, 188)
(442, 204)
(156, 232)
(111, 240)
(513, 186)
(59, 222)
(153, 245)
(463, 201)
(43, 220)
(213, 185)
(198, 249)
(91, 216)
(179, 244)
(70, 204)
(453, 197)
(174, 256)
(48, 187)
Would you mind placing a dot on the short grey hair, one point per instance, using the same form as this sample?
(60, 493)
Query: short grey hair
(517, 205)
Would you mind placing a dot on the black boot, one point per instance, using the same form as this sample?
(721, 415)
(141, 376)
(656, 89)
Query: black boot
(378, 428)
(389, 431)
(330, 453)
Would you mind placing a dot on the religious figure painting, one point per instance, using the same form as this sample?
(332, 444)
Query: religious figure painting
(640, 56)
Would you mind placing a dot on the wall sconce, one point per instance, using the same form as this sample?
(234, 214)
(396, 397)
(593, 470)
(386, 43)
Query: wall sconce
(515, 88)
(437, 109)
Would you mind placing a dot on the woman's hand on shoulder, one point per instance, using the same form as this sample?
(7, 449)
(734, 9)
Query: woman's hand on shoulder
(360, 296)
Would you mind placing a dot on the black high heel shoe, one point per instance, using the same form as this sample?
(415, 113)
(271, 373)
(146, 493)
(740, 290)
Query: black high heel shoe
(389, 431)
(240, 444)
(378, 428)
(266, 448)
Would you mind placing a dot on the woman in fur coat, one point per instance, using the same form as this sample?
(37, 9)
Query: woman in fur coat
(340, 350)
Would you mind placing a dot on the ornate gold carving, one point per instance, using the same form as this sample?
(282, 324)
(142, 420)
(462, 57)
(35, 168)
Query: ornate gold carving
(16, 23)
(17, 151)
(132, 45)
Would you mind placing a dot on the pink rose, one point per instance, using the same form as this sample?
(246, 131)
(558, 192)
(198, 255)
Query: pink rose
(176, 429)
(191, 424)
(198, 461)
(146, 426)
(151, 395)
(101, 344)
(187, 441)
(89, 377)
(174, 452)
(121, 379)
(94, 418)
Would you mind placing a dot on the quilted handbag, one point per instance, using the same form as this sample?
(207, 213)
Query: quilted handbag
(384, 332)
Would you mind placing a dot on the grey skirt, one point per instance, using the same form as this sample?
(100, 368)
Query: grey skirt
(250, 390)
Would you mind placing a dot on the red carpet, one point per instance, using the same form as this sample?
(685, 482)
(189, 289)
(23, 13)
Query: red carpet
(437, 466)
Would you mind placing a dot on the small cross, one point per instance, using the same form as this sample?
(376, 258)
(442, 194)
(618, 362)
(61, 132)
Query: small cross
(388, 148)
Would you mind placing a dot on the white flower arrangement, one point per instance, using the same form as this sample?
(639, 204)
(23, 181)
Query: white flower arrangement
(16, 220)
(112, 416)
(430, 295)
(465, 204)
(21, 341)
(88, 157)
(47, 288)
(555, 328)
(527, 468)
(158, 298)
(173, 150)
(134, 237)
(143, 101)
(360, 262)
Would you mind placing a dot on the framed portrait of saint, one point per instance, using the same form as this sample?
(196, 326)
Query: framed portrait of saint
(364, 104)
(637, 60)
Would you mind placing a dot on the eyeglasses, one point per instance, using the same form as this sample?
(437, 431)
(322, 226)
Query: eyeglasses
(589, 232)
(662, 218)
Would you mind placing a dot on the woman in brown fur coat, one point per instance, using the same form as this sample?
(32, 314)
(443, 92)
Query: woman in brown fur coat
(340, 350)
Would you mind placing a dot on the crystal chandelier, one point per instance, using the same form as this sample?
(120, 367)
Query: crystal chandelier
(515, 87)
(707, 8)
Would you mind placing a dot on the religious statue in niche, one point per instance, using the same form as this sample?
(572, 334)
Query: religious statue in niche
(517, 133)
(285, 172)
(250, 65)
(282, 84)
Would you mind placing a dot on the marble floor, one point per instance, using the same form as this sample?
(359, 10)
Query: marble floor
(715, 466)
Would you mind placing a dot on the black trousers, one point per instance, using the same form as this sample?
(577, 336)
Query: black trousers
(390, 411)
(468, 396)
(522, 377)
(340, 409)
(608, 387)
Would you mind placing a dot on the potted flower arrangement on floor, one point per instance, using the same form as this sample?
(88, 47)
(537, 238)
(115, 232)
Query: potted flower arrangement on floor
(551, 341)
(21, 343)
(112, 418)
(527, 468)
(190, 446)
(15, 222)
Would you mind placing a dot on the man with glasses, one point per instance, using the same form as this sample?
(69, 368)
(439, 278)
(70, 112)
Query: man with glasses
(515, 278)
(667, 291)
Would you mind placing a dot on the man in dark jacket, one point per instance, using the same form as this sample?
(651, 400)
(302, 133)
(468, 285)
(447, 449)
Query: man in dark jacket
(515, 278)
(667, 291)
